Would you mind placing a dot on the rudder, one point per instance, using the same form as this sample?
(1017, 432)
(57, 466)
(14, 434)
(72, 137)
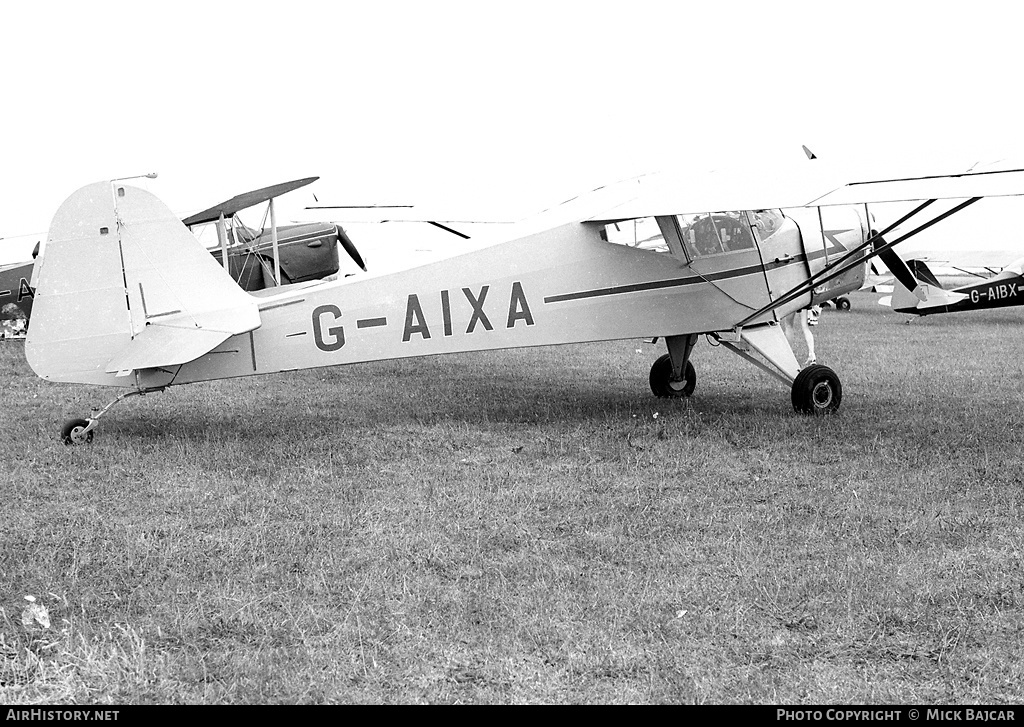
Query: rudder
(119, 264)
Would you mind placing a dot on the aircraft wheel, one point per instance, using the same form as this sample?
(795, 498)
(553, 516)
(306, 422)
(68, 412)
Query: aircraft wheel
(842, 303)
(817, 390)
(664, 386)
(73, 432)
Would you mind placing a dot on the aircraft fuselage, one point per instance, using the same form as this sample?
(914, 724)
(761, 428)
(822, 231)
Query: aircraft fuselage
(563, 285)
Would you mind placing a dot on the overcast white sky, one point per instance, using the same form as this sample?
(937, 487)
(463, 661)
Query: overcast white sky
(416, 101)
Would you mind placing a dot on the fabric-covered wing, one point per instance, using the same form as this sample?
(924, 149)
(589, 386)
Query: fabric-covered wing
(244, 201)
(817, 187)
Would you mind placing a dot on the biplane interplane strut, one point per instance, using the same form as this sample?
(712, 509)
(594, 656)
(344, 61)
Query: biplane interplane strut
(127, 297)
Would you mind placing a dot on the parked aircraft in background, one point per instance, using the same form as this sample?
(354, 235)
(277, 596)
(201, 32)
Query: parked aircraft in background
(16, 293)
(161, 312)
(280, 255)
(1004, 289)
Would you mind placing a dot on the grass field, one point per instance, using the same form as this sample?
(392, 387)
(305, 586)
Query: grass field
(530, 526)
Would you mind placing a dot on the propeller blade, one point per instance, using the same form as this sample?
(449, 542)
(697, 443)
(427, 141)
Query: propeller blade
(350, 248)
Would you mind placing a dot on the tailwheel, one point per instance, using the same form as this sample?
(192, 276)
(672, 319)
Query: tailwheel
(842, 303)
(817, 390)
(76, 431)
(664, 385)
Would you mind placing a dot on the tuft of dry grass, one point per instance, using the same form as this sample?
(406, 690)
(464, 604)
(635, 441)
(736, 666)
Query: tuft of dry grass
(529, 526)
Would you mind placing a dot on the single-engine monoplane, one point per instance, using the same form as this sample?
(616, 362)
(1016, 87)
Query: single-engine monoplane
(126, 296)
(1003, 289)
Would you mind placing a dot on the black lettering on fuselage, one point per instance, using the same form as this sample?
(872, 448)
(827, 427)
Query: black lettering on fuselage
(416, 320)
(478, 309)
(25, 291)
(446, 313)
(335, 335)
(518, 308)
(413, 310)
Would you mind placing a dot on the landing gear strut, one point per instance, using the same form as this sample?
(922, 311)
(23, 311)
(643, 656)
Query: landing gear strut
(79, 431)
(815, 389)
(672, 375)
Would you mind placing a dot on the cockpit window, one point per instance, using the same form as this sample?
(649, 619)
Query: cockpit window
(768, 222)
(642, 233)
(713, 234)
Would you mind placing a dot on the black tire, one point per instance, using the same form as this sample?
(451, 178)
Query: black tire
(817, 390)
(842, 303)
(661, 379)
(71, 432)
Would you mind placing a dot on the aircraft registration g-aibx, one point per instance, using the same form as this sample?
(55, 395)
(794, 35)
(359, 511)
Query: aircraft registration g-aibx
(1002, 290)
(125, 295)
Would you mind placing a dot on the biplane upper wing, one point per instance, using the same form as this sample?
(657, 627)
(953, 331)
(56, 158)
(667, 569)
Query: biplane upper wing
(246, 200)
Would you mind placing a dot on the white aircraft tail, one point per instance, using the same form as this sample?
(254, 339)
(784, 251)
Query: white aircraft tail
(924, 297)
(124, 286)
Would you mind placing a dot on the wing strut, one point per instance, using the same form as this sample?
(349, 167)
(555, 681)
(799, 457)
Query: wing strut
(879, 247)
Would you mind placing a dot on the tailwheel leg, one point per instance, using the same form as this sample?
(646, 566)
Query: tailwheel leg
(79, 431)
(672, 375)
(817, 390)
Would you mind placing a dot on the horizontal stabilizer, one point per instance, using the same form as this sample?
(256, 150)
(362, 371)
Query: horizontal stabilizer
(923, 299)
(158, 346)
(182, 338)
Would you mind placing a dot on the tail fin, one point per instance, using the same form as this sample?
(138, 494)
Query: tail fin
(923, 273)
(124, 286)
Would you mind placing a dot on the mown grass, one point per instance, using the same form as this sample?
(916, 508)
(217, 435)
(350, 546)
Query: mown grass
(530, 526)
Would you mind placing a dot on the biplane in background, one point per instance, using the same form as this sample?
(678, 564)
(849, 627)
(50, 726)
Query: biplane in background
(278, 255)
(128, 298)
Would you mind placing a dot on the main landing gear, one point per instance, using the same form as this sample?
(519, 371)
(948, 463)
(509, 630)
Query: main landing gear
(79, 431)
(666, 385)
(814, 390)
(672, 375)
(817, 390)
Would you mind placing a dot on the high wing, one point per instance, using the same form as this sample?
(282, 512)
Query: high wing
(653, 195)
(656, 195)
